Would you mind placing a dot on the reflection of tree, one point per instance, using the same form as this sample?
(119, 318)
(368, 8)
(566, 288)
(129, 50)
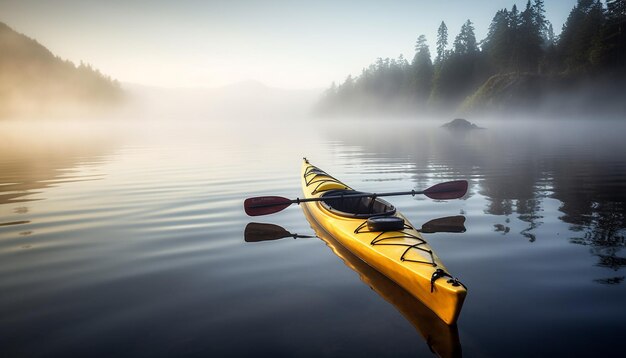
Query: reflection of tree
(29, 164)
(528, 212)
(514, 193)
(594, 209)
(595, 206)
(610, 280)
(516, 172)
(28, 175)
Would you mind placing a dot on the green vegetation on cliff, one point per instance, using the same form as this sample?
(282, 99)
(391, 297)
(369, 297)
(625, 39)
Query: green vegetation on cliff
(507, 91)
(34, 81)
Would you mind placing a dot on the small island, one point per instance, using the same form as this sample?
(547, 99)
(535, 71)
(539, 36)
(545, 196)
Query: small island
(460, 124)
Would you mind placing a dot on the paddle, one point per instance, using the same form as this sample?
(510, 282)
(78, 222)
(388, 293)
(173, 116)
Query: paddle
(264, 205)
(256, 232)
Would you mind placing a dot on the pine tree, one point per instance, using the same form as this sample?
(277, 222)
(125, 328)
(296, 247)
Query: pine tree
(442, 42)
(616, 10)
(529, 39)
(515, 51)
(540, 21)
(581, 36)
(497, 45)
(615, 35)
(456, 75)
(465, 42)
(551, 39)
(514, 17)
(346, 90)
(423, 70)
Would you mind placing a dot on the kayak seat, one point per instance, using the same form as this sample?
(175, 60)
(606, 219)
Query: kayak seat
(361, 207)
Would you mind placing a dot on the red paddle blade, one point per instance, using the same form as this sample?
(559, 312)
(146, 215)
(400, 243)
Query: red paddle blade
(449, 190)
(264, 205)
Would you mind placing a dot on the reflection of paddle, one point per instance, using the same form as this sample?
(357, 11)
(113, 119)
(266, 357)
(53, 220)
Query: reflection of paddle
(264, 205)
(448, 224)
(256, 232)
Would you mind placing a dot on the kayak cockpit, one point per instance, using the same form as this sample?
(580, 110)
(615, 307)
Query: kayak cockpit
(352, 204)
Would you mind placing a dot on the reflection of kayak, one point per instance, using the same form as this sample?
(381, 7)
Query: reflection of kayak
(442, 339)
(402, 255)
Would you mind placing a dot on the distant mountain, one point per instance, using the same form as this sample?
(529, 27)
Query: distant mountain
(36, 82)
(249, 99)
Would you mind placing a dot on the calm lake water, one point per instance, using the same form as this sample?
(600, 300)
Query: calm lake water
(127, 239)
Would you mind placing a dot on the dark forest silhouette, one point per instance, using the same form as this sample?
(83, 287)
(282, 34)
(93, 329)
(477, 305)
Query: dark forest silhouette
(520, 62)
(35, 81)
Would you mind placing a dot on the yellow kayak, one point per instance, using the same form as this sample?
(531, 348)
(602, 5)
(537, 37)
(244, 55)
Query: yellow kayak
(401, 254)
(441, 338)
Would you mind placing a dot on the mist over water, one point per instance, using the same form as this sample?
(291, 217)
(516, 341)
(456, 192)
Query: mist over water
(122, 227)
(126, 237)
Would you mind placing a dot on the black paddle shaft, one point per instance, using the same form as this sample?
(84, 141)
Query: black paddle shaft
(349, 196)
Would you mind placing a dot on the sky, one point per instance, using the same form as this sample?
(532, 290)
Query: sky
(286, 44)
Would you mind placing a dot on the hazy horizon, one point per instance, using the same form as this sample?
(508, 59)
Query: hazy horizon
(290, 45)
(133, 133)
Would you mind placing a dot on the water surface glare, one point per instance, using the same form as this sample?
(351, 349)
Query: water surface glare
(128, 239)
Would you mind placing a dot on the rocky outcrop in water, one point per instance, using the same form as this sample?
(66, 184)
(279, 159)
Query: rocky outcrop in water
(460, 124)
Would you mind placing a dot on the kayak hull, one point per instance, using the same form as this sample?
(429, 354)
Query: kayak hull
(403, 256)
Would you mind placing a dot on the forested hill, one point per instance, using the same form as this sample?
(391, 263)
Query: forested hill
(36, 82)
(521, 64)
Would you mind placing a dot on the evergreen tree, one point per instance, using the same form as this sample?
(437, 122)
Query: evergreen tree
(420, 44)
(465, 42)
(498, 43)
(614, 54)
(549, 62)
(581, 36)
(551, 39)
(514, 18)
(396, 79)
(423, 69)
(529, 39)
(346, 90)
(540, 21)
(457, 73)
(515, 51)
(616, 10)
(442, 42)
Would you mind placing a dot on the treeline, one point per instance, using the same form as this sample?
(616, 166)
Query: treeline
(520, 50)
(35, 81)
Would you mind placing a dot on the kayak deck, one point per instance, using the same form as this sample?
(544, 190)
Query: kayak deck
(402, 255)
